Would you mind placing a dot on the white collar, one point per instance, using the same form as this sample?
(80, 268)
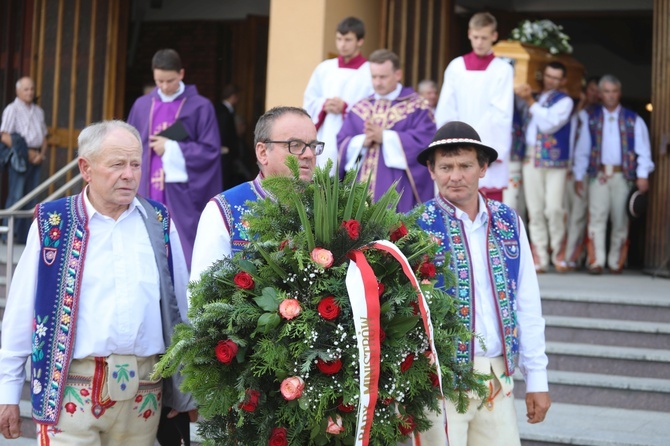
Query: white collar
(614, 113)
(172, 97)
(482, 212)
(91, 211)
(392, 96)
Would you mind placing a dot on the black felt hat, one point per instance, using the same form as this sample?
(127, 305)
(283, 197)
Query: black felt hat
(456, 133)
(636, 203)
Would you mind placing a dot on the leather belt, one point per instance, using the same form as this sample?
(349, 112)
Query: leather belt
(614, 169)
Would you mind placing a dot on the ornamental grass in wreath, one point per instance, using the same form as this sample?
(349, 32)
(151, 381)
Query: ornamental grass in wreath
(326, 329)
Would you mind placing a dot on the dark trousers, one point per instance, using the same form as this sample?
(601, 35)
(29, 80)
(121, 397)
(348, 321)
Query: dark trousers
(19, 184)
(171, 431)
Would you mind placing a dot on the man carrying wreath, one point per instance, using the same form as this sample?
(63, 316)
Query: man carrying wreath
(497, 292)
(222, 231)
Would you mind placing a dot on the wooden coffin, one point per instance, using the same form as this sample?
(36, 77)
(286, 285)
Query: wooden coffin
(529, 62)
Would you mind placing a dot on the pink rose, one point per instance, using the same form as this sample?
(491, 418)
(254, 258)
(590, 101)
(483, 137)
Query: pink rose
(322, 257)
(291, 387)
(289, 308)
(335, 427)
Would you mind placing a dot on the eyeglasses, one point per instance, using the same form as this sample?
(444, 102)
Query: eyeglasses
(297, 147)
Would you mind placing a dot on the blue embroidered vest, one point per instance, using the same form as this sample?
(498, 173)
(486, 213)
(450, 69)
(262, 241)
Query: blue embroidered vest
(63, 232)
(233, 206)
(553, 149)
(440, 221)
(627, 120)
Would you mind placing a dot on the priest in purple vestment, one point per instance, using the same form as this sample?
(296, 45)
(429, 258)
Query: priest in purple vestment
(183, 169)
(384, 133)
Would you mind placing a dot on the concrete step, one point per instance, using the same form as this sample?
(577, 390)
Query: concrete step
(607, 332)
(607, 390)
(653, 310)
(570, 424)
(626, 361)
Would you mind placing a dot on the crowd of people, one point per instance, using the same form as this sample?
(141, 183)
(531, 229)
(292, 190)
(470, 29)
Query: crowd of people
(102, 281)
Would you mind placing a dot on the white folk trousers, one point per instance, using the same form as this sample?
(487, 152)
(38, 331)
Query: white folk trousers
(544, 189)
(607, 200)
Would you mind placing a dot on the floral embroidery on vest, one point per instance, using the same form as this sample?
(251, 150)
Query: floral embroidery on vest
(503, 252)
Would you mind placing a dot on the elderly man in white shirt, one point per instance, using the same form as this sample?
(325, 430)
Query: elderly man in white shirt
(613, 153)
(24, 118)
(96, 295)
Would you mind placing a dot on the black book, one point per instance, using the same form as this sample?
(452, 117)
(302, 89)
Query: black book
(176, 132)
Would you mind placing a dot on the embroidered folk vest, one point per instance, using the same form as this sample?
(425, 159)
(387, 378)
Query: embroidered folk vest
(552, 149)
(440, 222)
(233, 207)
(627, 120)
(63, 232)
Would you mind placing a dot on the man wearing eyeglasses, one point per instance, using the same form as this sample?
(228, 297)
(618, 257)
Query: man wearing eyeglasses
(281, 132)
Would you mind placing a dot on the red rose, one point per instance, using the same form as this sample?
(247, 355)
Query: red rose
(225, 351)
(278, 437)
(399, 233)
(250, 400)
(328, 308)
(387, 401)
(244, 280)
(346, 408)
(427, 269)
(329, 367)
(407, 362)
(407, 425)
(353, 228)
(380, 288)
(434, 379)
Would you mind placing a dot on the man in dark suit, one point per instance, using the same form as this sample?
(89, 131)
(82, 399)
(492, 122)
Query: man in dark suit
(230, 144)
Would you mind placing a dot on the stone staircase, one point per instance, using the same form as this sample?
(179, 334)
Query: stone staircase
(608, 342)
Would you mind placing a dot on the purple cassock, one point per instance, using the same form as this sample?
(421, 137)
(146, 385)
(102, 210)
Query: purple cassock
(410, 117)
(201, 150)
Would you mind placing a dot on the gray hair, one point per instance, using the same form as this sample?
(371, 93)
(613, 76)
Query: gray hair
(265, 122)
(426, 83)
(609, 78)
(18, 83)
(90, 139)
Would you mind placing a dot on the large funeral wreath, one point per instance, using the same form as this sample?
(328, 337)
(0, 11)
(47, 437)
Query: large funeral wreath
(275, 350)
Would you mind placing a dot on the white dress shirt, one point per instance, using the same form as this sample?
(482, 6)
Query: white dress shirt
(547, 119)
(119, 301)
(610, 153)
(532, 358)
(212, 241)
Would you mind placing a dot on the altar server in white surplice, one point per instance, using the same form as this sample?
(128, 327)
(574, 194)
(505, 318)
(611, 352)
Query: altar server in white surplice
(478, 89)
(336, 85)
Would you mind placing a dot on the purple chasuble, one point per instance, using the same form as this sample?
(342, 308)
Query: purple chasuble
(411, 118)
(163, 116)
(202, 154)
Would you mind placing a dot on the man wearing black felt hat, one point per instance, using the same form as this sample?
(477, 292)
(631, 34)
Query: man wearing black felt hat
(497, 290)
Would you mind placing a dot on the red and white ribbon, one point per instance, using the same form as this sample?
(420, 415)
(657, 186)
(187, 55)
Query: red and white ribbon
(364, 297)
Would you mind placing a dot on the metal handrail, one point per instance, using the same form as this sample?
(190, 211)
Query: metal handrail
(16, 211)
